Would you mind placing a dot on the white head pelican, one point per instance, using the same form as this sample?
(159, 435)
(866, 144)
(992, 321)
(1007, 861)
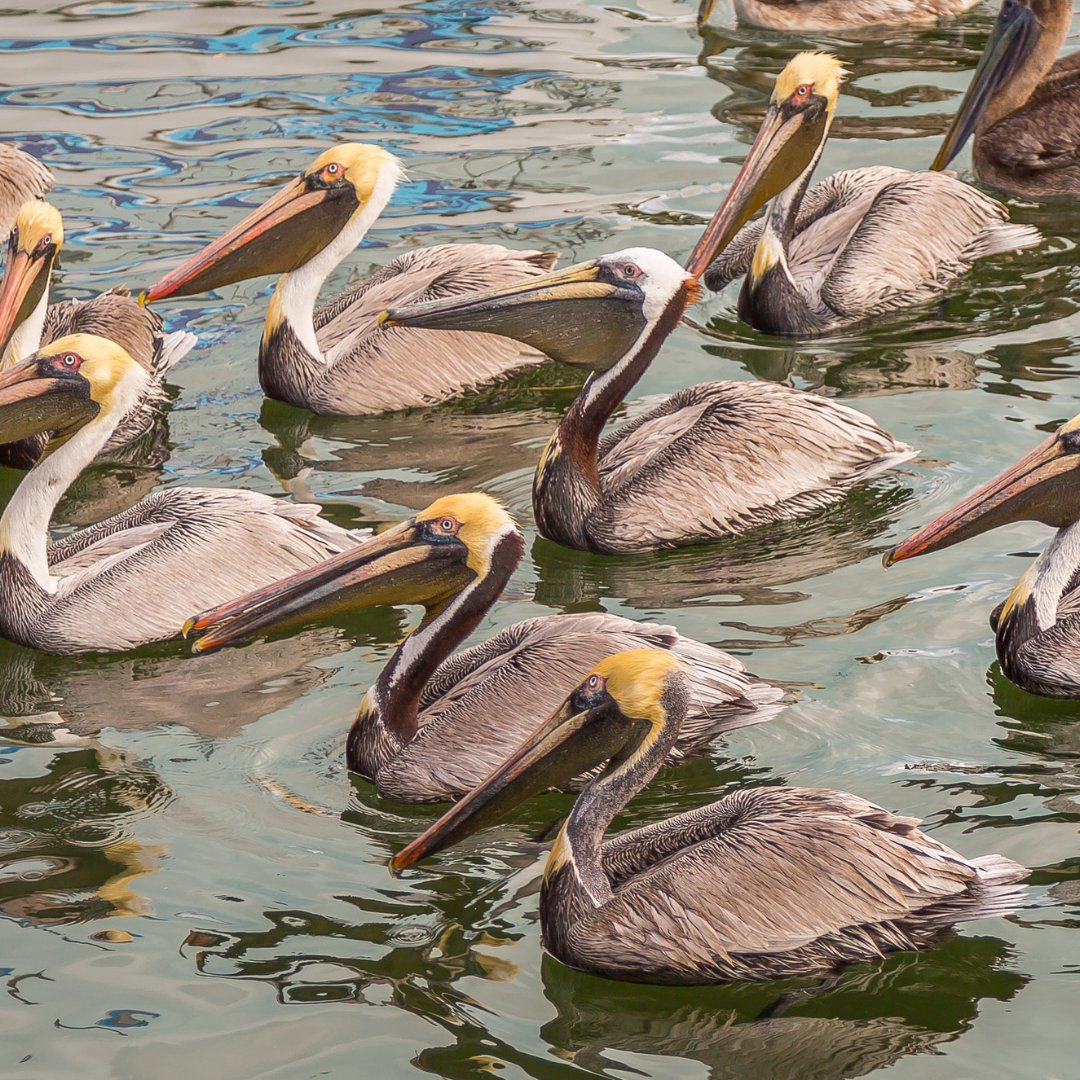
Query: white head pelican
(28, 320)
(434, 724)
(1038, 625)
(712, 461)
(862, 243)
(1023, 104)
(133, 578)
(337, 360)
(766, 883)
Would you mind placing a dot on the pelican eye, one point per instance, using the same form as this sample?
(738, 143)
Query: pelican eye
(70, 360)
(802, 92)
(43, 244)
(443, 528)
(630, 271)
(589, 693)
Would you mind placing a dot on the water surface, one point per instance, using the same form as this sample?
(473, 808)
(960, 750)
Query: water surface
(172, 907)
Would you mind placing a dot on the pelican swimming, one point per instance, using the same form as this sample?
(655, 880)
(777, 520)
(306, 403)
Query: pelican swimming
(860, 244)
(1038, 626)
(766, 883)
(337, 360)
(712, 461)
(133, 578)
(22, 177)
(801, 15)
(435, 724)
(1023, 105)
(28, 320)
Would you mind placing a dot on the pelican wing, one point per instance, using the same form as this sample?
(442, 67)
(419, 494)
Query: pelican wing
(1043, 134)
(139, 575)
(771, 870)
(719, 458)
(488, 698)
(377, 368)
(917, 234)
(834, 195)
(22, 177)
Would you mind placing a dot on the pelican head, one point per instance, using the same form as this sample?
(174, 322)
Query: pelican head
(787, 146)
(1042, 486)
(1020, 24)
(426, 559)
(327, 208)
(33, 244)
(588, 315)
(66, 384)
(623, 705)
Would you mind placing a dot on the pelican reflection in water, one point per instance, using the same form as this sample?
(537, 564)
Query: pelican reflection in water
(28, 320)
(711, 462)
(336, 359)
(436, 722)
(1023, 105)
(765, 883)
(1037, 627)
(132, 578)
(858, 245)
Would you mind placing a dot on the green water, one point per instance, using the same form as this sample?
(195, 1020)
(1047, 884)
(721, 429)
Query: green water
(265, 941)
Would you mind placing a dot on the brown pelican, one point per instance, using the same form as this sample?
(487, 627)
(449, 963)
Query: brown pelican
(28, 320)
(434, 724)
(135, 577)
(801, 15)
(1038, 625)
(712, 461)
(337, 360)
(860, 244)
(22, 177)
(1023, 105)
(766, 883)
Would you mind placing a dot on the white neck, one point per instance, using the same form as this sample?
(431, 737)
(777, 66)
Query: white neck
(27, 336)
(298, 291)
(24, 526)
(1049, 576)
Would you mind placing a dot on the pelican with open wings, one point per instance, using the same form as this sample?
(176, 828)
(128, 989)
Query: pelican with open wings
(860, 244)
(436, 722)
(712, 461)
(133, 578)
(28, 321)
(337, 359)
(766, 883)
(1023, 105)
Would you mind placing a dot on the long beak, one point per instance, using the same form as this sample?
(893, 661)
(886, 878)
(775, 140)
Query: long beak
(567, 744)
(392, 568)
(287, 231)
(32, 402)
(1011, 41)
(572, 315)
(25, 278)
(1042, 486)
(785, 145)
(705, 10)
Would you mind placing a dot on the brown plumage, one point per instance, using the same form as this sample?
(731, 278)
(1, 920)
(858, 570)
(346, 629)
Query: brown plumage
(1023, 105)
(30, 321)
(434, 724)
(22, 177)
(134, 578)
(764, 883)
(802, 15)
(711, 462)
(338, 359)
(861, 244)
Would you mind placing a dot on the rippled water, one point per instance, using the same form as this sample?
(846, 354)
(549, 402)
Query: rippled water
(170, 911)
